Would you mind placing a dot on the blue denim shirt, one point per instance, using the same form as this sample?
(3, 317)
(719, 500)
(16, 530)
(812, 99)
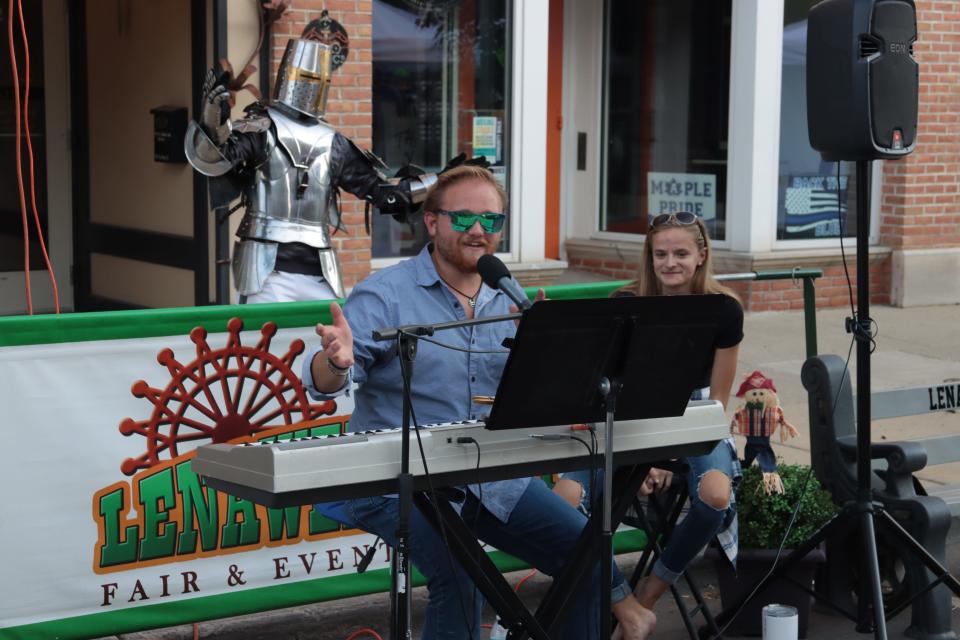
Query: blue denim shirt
(444, 381)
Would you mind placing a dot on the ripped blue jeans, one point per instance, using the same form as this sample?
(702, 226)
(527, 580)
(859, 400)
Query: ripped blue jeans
(702, 521)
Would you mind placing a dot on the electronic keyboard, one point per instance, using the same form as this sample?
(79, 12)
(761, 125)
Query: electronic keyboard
(366, 463)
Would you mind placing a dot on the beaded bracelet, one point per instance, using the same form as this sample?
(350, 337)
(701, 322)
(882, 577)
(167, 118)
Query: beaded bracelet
(337, 370)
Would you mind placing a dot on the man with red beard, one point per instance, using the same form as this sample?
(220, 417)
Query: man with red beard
(464, 214)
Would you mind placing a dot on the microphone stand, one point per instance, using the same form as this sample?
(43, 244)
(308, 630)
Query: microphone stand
(406, 337)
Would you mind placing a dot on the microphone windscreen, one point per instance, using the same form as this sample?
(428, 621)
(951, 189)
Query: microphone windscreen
(492, 270)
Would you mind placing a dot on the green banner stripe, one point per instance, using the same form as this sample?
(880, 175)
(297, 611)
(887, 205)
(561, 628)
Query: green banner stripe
(148, 323)
(226, 605)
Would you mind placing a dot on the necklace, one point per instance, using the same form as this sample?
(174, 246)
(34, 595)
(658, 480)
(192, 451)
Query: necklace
(471, 300)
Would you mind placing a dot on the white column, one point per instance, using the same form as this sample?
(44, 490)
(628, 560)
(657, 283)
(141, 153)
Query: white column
(753, 156)
(583, 47)
(528, 176)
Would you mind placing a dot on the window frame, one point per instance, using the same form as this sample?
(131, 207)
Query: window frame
(525, 136)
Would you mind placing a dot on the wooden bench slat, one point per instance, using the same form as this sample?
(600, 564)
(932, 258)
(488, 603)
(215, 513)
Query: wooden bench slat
(910, 401)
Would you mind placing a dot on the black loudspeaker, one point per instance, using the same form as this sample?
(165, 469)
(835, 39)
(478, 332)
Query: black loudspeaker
(862, 80)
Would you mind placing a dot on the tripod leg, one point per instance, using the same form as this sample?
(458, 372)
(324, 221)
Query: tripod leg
(870, 563)
(904, 537)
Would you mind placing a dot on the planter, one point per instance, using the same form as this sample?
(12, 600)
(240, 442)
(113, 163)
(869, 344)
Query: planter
(752, 565)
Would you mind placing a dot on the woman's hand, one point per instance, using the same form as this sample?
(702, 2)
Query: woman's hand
(656, 481)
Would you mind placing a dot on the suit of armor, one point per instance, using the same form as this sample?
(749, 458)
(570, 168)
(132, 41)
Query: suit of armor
(287, 164)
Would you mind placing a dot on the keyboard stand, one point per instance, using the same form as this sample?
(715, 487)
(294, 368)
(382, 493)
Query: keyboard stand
(514, 615)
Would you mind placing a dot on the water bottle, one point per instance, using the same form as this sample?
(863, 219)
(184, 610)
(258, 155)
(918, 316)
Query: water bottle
(497, 632)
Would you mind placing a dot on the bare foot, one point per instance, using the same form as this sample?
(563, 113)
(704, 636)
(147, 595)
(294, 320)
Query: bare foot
(634, 621)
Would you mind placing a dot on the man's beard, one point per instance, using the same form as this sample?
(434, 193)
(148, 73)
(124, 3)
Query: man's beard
(452, 252)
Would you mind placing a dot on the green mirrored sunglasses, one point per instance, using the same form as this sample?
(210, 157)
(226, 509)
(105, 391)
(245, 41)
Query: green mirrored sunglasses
(462, 220)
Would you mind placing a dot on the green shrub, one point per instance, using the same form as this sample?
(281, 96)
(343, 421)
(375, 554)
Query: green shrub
(764, 518)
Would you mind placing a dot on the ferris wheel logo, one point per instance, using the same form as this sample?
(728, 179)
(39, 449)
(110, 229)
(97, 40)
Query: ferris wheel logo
(231, 392)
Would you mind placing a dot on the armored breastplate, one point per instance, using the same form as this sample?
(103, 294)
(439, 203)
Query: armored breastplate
(292, 198)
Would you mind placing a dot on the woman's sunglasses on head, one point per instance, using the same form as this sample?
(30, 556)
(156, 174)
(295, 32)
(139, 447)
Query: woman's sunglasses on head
(682, 218)
(462, 220)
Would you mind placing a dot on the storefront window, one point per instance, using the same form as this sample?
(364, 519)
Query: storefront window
(440, 88)
(11, 220)
(808, 205)
(666, 95)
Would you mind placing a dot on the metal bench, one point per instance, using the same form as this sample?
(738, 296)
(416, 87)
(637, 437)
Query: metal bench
(833, 450)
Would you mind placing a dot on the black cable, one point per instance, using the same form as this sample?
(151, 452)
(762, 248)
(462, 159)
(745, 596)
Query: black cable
(433, 500)
(806, 480)
(476, 516)
(473, 441)
(593, 464)
(446, 345)
(843, 254)
(854, 325)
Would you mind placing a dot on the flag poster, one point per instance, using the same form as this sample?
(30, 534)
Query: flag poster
(813, 207)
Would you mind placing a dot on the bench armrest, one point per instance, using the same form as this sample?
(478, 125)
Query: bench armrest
(903, 458)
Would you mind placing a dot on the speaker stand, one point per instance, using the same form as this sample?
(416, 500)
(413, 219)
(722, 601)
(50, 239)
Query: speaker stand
(862, 514)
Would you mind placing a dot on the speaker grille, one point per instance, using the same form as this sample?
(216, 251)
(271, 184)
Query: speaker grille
(894, 76)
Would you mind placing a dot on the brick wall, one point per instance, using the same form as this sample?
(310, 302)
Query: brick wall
(349, 107)
(613, 268)
(921, 193)
(831, 289)
(774, 295)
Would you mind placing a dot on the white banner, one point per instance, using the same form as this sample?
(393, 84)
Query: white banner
(102, 510)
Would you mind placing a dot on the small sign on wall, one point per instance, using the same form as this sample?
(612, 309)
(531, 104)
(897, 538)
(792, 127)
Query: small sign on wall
(169, 128)
(673, 192)
(486, 137)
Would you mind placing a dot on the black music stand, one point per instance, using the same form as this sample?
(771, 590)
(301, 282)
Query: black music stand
(657, 347)
(601, 360)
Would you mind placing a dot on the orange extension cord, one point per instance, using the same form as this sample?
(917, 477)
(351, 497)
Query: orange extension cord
(26, 126)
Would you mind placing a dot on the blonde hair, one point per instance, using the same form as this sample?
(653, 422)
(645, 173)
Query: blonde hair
(457, 175)
(704, 281)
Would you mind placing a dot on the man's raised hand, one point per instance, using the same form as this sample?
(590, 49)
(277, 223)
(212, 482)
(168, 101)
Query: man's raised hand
(337, 338)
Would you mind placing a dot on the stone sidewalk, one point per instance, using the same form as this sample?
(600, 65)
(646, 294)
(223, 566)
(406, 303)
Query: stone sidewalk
(915, 346)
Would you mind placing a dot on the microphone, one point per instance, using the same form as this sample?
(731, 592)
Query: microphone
(496, 275)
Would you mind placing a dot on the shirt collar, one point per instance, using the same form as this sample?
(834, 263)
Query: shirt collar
(427, 275)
